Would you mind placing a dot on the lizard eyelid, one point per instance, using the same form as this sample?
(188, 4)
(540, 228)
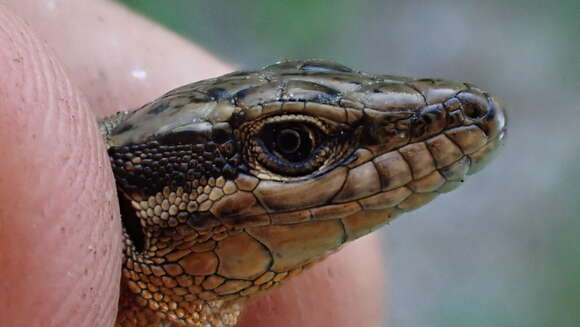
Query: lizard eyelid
(292, 146)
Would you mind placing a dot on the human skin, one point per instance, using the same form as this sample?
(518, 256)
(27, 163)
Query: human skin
(62, 64)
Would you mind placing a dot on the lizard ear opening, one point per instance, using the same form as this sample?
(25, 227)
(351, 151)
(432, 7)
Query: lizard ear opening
(132, 224)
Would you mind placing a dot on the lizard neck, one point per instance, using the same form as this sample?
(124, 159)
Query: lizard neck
(160, 303)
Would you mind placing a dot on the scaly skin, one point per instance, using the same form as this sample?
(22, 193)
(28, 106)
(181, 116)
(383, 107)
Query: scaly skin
(231, 185)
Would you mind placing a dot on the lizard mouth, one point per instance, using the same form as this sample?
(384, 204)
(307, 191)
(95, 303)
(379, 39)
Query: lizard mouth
(403, 193)
(294, 237)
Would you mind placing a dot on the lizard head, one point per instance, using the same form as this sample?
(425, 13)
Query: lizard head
(230, 185)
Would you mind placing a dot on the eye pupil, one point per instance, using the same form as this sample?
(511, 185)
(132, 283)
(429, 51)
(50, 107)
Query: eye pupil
(292, 142)
(291, 145)
(288, 140)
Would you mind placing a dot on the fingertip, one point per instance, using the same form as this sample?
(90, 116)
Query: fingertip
(59, 232)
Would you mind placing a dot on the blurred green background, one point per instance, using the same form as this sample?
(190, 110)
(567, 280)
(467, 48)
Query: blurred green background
(504, 250)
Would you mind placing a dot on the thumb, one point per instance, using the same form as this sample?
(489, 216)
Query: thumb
(59, 233)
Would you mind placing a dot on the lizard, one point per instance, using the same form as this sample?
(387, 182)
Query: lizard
(232, 185)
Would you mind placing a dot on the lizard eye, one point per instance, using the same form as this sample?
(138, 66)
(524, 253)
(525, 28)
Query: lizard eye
(289, 146)
(290, 142)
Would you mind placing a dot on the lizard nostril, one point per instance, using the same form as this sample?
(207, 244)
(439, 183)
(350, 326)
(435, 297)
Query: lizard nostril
(474, 106)
(473, 110)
